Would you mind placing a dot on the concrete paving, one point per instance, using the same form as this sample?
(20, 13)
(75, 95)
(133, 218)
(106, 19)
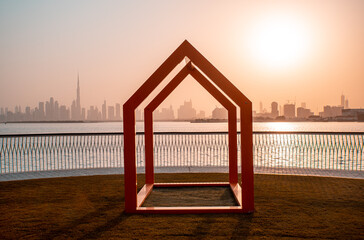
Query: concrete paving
(109, 171)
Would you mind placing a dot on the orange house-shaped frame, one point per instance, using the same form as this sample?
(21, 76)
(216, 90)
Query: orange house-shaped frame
(243, 192)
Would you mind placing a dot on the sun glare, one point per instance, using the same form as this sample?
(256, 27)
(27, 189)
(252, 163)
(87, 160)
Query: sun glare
(278, 42)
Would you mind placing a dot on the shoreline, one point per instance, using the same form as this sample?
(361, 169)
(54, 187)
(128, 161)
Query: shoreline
(191, 121)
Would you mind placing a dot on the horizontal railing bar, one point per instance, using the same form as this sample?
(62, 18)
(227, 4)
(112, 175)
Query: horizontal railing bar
(259, 132)
(308, 133)
(61, 134)
(177, 133)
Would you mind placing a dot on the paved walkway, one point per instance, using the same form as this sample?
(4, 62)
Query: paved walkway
(110, 171)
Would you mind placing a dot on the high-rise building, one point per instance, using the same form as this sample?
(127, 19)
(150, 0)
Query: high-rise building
(41, 111)
(164, 114)
(331, 111)
(186, 111)
(219, 113)
(64, 113)
(74, 115)
(76, 109)
(289, 110)
(83, 114)
(117, 111)
(17, 109)
(56, 111)
(48, 111)
(27, 114)
(346, 104)
(355, 114)
(111, 114)
(78, 99)
(51, 103)
(342, 100)
(104, 111)
(274, 112)
(303, 113)
(93, 114)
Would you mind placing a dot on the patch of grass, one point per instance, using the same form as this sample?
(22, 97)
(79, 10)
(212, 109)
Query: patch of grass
(92, 207)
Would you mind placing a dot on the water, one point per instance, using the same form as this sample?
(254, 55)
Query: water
(27, 128)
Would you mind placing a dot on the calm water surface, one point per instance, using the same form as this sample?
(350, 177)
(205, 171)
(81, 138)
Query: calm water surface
(26, 128)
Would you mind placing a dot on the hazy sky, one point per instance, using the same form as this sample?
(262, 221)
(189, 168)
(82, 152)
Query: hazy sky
(303, 51)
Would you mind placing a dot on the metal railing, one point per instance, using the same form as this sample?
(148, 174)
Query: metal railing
(316, 150)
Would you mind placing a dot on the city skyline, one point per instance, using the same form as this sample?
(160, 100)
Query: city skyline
(76, 108)
(308, 51)
(53, 110)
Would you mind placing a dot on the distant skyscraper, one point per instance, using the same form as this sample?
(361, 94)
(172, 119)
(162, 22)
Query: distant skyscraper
(27, 114)
(83, 114)
(219, 113)
(64, 113)
(48, 111)
(346, 104)
(164, 114)
(111, 114)
(74, 115)
(289, 110)
(331, 111)
(76, 108)
(41, 111)
(51, 103)
(104, 111)
(93, 114)
(56, 111)
(186, 111)
(17, 109)
(342, 100)
(274, 112)
(117, 112)
(78, 99)
(303, 113)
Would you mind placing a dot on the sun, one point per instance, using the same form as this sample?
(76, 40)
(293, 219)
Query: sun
(278, 41)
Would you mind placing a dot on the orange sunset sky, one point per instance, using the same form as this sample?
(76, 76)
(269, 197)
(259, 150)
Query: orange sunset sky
(308, 51)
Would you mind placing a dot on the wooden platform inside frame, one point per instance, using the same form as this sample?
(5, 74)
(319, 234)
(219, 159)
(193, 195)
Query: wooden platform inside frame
(148, 189)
